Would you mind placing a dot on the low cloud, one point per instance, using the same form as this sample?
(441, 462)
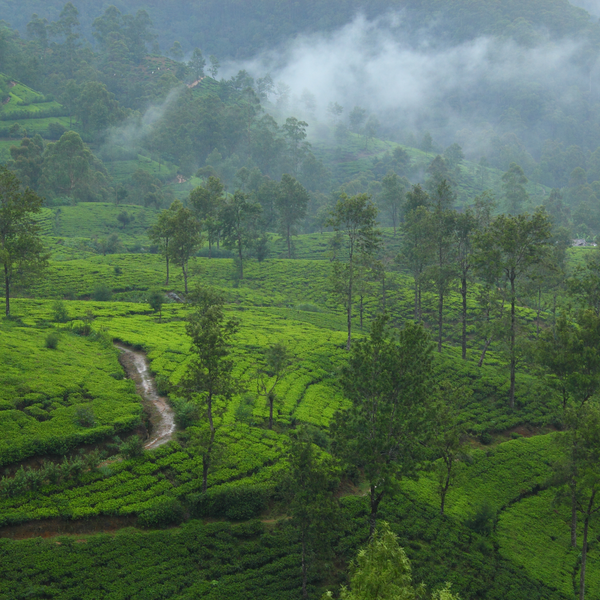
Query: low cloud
(420, 86)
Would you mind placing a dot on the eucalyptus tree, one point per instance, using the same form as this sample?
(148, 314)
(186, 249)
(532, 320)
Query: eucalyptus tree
(291, 201)
(275, 366)
(209, 380)
(393, 196)
(186, 238)
(240, 220)
(442, 270)
(207, 201)
(466, 226)
(312, 481)
(161, 233)
(353, 217)
(510, 246)
(22, 253)
(569, 354)
(416, 251)
(387, 380)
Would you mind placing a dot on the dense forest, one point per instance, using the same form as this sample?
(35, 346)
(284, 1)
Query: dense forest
(301, 300)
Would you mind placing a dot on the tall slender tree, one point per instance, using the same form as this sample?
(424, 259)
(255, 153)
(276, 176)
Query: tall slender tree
(161, 234)
(22, 252)
(387, 381)
(511, 246)
(312, 481)
(209, 380)
(240, 219)
(186, 238)
(292, 202)
(354, 218)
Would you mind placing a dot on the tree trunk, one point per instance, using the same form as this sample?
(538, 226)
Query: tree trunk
(539, 310)
(573, 513)
(271, 400)
(205, 466)
(444, 490)
(7, 289)
(463, 291)
(485, 347)
(361, 310)
(241, 257)
(167, 282)
(383, 292)
(440, 320)
(416, 300)
(349, 301)
(513, 359)
(375, 501)
(207, 455)
(304, 568)
(584, 548)
(185, 277)
(289, 242)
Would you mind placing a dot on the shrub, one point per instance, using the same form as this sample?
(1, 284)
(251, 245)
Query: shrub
(486, 438)
(483, 520)
(102, 293)
(239, 503)
(163, 385)
(133, 447)
(59, 312)
(186, 413)
(84, 416)
(52, 340)
(166, 511)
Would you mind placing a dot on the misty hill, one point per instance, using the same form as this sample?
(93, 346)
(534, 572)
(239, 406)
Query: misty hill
(237, 28)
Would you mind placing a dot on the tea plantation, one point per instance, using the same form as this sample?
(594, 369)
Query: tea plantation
(49, 392)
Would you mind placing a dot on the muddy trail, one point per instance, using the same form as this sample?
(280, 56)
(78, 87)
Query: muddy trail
(162, 417)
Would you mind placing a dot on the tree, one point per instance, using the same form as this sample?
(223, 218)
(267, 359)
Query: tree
(382, 571)
(292, 201)
(442, 271)
(511, 246)
(22, 253)
(387, 381)
(27, 161)
(196, 64)
(275, 367)
(156, 300)
(392, 197)
(466, 225)
(186, 238)
(354, 218)
(513, 182)
(207, 201)
(312, 481)
(70, 169)
(416, 251)
(295, 135)
(240, 221)
(357, 117)
(449, 441)
(569, 355)
(208, 380)
(214, 66)
(161, 233)
(583, 450)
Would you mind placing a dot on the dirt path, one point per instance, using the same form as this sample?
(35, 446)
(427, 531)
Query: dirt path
(162, 416)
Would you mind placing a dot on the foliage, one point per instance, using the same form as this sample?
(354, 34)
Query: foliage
(387, 380)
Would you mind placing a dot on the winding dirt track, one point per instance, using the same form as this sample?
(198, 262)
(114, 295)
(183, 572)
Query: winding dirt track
(162, 416)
